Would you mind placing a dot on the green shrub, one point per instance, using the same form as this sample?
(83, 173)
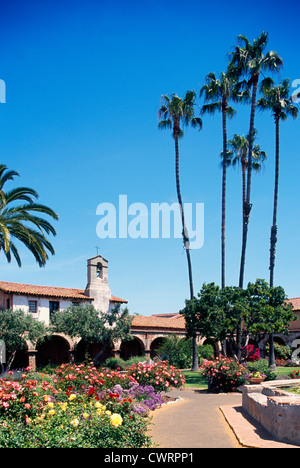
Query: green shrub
(281, 351)
(115, 363)
(179, 351)
(262, 366)
(136, 360)
(206, 351)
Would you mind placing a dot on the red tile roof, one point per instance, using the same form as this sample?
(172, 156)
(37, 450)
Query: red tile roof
(49, 291)
(296, 302)
(117, 299)
(170, 321)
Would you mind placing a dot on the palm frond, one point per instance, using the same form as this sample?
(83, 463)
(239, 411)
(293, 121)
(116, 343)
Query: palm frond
(16, 221)
(21, 193)
(211, 108)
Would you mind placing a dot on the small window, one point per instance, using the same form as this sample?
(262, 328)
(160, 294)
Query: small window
(7, 304)
(76, 304)
(53, 306)
(32, 306)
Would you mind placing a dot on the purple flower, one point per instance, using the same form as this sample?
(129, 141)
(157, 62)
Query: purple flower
(139, 409)
(118, 389)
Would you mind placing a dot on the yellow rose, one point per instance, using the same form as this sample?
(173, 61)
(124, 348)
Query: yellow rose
(72, 397)
(51, 412)
(99, 406)
(116, 420)
(74, 422)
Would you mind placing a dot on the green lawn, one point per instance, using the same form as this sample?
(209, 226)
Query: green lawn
(196, 380)
(286, 370)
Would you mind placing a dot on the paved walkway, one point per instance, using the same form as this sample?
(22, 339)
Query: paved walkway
(196, 421)
(204, 420)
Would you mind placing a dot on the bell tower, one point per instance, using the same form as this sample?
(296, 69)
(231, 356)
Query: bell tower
(97, 283)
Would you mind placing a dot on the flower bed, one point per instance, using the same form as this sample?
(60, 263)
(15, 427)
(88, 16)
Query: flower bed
(160, 375)
(77, 406)
(224, 375)
(295, 374)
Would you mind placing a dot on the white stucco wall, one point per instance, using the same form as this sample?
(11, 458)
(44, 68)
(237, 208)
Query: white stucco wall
(43, 313)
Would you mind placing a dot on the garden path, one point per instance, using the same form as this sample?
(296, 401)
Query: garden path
(206, 420)
(194, 422)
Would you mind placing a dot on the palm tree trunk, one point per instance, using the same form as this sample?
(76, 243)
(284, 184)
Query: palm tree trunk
(224, 109)
(273, 238)
(247, 205)
(96, 359)
(10, 360)
(186, 240)
(243, 183)
(185, 235)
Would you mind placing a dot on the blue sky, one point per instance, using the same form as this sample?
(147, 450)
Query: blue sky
(83, 83)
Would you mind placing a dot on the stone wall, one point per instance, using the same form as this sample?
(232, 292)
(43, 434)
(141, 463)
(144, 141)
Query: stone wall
(277, 410)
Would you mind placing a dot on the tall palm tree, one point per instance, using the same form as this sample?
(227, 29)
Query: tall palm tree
(174, 113)
(217, 93)
(239, 148)
(278, 100)
(19, 221)
(238, 154)
(250, 61)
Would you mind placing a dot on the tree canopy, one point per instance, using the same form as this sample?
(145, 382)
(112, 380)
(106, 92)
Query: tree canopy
(92, 326)
(15, 328)
(216, 313)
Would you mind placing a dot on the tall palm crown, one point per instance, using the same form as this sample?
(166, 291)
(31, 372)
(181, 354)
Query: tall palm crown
(20, 221)
(176, 112)
(217, 93)
(249, 61)
(278, 100)
(238, 154)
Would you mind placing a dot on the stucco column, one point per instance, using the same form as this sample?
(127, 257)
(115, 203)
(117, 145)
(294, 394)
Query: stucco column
(117, 348)
(32, 359)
